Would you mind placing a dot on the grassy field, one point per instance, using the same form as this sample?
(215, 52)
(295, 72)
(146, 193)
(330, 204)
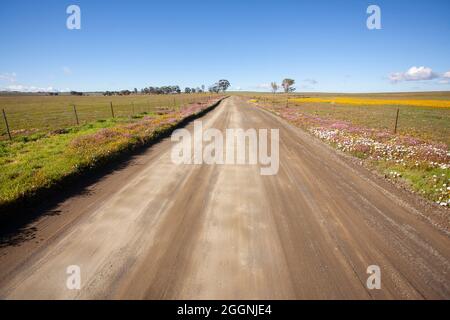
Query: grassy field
(31, 114)
(35, 162)
(417, 155)
(417, 116)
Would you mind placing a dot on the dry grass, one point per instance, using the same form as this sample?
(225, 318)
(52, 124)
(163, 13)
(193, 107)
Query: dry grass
(418, 120)
(31, 114)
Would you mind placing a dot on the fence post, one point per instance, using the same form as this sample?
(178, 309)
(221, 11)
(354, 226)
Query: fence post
(76, 115)
(7, 125)
(112, 109)
(396, 121)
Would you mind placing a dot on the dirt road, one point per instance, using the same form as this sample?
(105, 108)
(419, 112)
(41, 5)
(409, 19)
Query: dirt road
(156, 230)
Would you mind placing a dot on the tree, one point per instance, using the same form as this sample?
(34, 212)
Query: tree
(125, 92)
(203, 87)
(214, 88)
(165, 89)
(287, 85)
(274, 86)
(187, 90)
(223, 85)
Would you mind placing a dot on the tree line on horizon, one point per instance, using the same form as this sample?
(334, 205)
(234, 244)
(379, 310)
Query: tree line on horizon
(220, 86)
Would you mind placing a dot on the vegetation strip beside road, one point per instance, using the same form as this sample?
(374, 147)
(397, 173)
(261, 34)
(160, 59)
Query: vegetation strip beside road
(421, 165)
(33, 166)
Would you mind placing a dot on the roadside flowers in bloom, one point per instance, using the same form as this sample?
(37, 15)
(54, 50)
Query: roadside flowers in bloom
(421, 164)
(94, 147)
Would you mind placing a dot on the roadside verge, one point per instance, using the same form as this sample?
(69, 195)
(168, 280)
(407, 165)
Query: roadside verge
(73, 157)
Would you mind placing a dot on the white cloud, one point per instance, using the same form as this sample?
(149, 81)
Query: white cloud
(13, 86)
(10, 77)
(414, 74)
(310, 81)
(22, 88)
(66, 70)
(263, 86)
(447, 75)
(396, 76)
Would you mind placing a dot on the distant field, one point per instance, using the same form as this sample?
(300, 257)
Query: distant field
(30, 114)
(424, 115)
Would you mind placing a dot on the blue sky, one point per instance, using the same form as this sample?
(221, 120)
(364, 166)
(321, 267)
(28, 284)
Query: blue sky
(323, 45)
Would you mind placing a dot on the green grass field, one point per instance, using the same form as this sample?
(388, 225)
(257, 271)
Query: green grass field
(27, 114)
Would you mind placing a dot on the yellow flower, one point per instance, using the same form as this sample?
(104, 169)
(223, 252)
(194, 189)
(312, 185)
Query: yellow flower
(377, 102)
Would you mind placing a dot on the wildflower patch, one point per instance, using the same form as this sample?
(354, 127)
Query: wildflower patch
(421, 164)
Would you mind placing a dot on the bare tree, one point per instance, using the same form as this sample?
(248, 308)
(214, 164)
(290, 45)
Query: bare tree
(274, 86)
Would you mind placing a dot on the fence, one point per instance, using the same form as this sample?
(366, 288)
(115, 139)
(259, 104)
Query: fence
(24, 115)
(423, 121)
(326, 109)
